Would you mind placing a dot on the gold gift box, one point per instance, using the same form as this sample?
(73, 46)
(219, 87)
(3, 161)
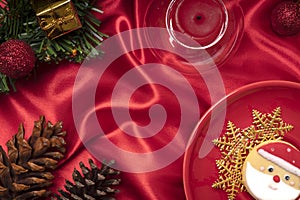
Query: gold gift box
(57, 18)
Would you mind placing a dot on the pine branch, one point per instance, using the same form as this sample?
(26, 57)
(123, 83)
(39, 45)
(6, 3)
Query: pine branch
(18, 21)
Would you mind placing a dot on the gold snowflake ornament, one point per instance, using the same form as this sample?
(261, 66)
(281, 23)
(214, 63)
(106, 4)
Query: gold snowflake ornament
(236, 143)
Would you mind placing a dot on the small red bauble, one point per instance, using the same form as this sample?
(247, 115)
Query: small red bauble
(285, 18)
(17, 58)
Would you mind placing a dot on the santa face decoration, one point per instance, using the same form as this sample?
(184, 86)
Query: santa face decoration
(271, 171)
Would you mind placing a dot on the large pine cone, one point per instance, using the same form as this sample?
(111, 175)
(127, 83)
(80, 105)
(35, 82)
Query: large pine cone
(91, 184)
(25, 169)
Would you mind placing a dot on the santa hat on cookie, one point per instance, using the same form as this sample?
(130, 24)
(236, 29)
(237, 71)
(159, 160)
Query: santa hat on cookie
(283, 154)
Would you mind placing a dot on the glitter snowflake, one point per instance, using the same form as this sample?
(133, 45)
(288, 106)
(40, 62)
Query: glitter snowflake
(236, 143)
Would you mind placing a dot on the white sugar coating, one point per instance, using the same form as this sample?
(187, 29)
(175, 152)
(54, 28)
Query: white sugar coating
(280, 162)
(262, 186)
(288, 150)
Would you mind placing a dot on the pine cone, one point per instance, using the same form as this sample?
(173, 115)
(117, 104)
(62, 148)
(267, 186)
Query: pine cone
(25, 169)
(94, 183)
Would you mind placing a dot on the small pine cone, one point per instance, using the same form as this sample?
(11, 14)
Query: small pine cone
(25, 169)
(92, 184)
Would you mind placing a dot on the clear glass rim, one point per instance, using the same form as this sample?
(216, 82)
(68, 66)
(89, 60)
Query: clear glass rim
(169, 26)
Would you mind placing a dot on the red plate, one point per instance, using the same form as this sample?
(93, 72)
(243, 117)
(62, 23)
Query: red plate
(199, 170)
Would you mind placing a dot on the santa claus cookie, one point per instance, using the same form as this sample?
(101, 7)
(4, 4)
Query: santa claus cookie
(271, 171)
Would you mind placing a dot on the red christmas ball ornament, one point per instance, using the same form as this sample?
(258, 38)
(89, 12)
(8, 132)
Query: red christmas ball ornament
(17, 58)
(285, 18)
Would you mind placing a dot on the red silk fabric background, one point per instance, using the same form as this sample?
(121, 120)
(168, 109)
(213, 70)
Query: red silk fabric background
(261, 55)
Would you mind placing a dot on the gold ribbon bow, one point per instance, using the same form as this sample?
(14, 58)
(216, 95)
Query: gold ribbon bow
(56, 17)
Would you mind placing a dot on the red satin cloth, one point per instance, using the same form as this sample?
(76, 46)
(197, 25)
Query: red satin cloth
(262, 55)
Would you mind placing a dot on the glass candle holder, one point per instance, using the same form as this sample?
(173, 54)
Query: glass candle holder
(216, 26)
(204, 21)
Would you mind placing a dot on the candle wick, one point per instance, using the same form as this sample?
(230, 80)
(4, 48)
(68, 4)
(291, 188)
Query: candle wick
(198, 17)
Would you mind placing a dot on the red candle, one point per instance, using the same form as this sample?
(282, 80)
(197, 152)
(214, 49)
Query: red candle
(203, 20)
